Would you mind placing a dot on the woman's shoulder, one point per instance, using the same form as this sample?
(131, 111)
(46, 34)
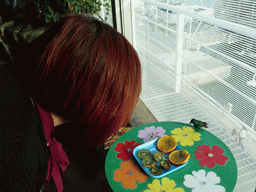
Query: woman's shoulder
(22, 144)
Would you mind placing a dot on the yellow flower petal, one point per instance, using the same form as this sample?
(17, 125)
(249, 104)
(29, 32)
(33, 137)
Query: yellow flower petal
(177, 137)
(179, 189)
(195, 136)
(177, 131)
(186, 141)
(167, 183)
(190, 142)
(155, 185)
(167, 186)
(187, 136)
(188, 130)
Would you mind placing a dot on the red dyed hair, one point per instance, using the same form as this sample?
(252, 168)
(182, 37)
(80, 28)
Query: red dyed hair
(87, 73)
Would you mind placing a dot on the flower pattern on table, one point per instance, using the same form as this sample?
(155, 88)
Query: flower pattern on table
(210, 156)
(167, 186)
(187, 136)
(125, 149)
(151, 133)
(200, 182)
(129, 174)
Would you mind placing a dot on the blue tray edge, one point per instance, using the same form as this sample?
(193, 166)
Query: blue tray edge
(136, 149)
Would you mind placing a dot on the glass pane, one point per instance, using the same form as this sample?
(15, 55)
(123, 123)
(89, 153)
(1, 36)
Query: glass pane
(106, 12)
(215, 65)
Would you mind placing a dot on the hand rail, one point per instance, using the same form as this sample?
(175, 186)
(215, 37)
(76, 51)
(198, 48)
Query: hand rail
(241, 29)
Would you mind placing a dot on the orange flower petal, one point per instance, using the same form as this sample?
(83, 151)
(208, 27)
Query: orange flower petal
(129, 182)
(137, 175)
(128, 173)
(140, 178)
(127, 165)
(120, 175)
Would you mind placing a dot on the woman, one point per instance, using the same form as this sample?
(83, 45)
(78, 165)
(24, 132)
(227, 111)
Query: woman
(80, 73)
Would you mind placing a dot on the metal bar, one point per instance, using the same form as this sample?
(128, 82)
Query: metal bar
(160, 25)
(102, 12)
(156, 19)
(228, 85)
(116, 15)
(179, 52)
(190, 30)
(234, 118)
(157, 42)
(133, 24)
(241, 29)
(241, 64)
(202, 2)
(157, 59)
(167, 20)
(196, 29)
(253, 124)
(216, 103)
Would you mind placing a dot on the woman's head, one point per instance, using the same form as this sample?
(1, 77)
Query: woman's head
(86, 72)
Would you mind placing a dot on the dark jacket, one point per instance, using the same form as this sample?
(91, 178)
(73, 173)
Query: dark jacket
(23, 151)
(23, 147)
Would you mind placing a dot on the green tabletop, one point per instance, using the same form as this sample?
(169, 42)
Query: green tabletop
(211, 166)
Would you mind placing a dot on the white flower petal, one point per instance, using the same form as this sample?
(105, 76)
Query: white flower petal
(198, 189)
(147, 139)
(200, 182)
(160, 130)
(219, 188)
(209, 188)
(200, 175)
(152, 129)
(190, 181)
(212, 178)
(154, 137)
(142, 133)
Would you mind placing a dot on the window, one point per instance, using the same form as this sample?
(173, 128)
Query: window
(198, 60)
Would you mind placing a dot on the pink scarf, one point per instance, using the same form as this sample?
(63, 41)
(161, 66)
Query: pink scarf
(58, 160)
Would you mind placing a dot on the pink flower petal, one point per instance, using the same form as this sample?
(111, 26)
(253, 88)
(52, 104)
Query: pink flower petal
(203, 162)
(209, 162)
(204, 148)
(216, 150)
(120, 147)
(200, 155)
(221, 159)
(128, 154)
(215, 157)
(130, 144)
(123, 156)
(137, 144)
